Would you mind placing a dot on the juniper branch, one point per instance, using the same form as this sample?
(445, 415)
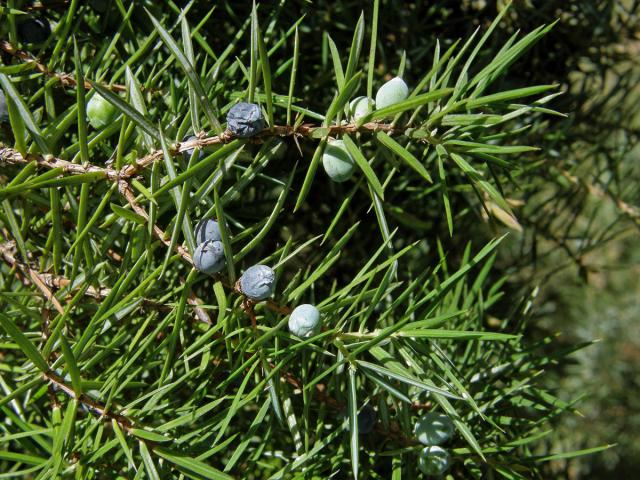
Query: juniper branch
(66, 79)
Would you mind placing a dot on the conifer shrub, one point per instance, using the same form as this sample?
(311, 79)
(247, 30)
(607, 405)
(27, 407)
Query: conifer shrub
(132, 346)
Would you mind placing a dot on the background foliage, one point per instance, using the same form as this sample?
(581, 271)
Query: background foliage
(139, 364)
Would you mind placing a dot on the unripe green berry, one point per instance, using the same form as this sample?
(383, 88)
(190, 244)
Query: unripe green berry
(337, 161)
(433, 428)
(304, 321)
(434, 460)
(100, 112)
(359, 107)
(258, 282)
(392, 92)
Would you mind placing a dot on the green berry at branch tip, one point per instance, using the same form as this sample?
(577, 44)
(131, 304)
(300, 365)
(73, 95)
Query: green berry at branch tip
(434, 460)
(359, 107)
(100, 112)
(433, 428)
(337, 161)
(392, 92)
(304, 321)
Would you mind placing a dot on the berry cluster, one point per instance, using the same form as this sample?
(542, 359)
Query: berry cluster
(336, 160)
(208, 256)
(258, 282)
(433, 429)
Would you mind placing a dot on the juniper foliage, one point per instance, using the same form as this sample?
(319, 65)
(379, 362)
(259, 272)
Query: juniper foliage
(119, 359)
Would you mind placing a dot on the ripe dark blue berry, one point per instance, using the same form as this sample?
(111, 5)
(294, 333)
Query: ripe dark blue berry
(206, 230)
(258, 282)
(366, 420)
(34, 30)
(245, 120)
(209, 257)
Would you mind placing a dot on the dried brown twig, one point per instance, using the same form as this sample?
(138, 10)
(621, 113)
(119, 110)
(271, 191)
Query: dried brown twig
(66, 79)
(30, 275)
(11, 156)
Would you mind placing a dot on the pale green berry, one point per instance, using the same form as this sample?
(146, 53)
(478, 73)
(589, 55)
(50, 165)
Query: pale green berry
(434, 460)
(100, 112)
(304, 321)
(359, 107)
(433, 429)
(337, 161)
(392, 92)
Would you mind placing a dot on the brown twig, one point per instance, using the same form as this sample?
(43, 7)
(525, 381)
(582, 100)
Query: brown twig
(8, 155)
(92, 405)
(127, 192)
(124, 422)
(66, 79)
(33, 275)
(13, 157)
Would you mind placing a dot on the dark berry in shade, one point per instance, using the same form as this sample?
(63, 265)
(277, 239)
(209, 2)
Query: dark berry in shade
(99, 6)
(34, 30)
(366, 420)
(245, 120)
